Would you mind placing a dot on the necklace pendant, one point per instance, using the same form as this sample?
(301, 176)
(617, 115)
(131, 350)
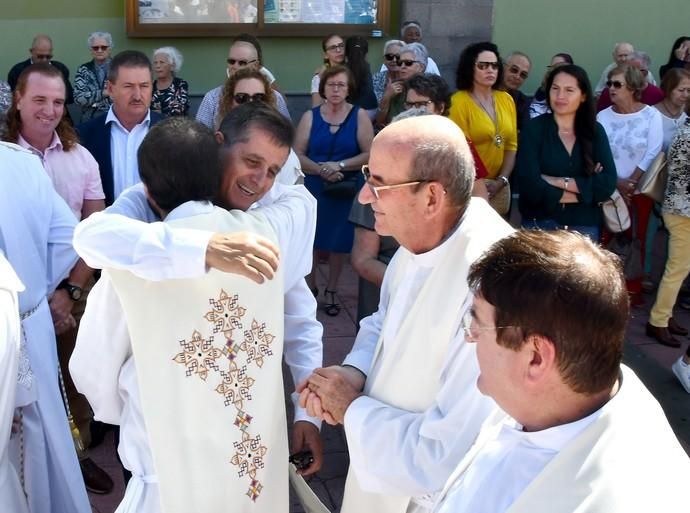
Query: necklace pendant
(498, 140)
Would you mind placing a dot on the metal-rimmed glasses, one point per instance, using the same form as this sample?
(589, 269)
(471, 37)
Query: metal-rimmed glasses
(376, 188)
(471, 331)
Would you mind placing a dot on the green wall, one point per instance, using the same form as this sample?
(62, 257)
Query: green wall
(587, 29)
(68, 22)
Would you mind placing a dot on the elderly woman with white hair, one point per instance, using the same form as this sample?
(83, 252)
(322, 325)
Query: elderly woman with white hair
(413, 60)
(388, 76)
(89, 82)
(170, 93)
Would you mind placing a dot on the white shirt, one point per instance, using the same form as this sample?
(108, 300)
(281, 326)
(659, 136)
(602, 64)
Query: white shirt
(509, 462)
(635, 139)
(670, 127)
(123, 151)
(116, 239)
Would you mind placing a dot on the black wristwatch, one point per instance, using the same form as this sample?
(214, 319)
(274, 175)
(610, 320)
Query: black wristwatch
(73, 291)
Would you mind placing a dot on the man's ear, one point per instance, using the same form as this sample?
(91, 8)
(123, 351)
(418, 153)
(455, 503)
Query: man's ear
(434, 198)
(220, 138)
(542, 358)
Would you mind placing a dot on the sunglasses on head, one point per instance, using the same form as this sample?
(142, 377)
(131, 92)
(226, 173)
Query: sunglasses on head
(483, 65)
(241, 98)
(616, 84)
(405, 63)
(391, 56)
(241, 63)
(515, 70)
(100, 48)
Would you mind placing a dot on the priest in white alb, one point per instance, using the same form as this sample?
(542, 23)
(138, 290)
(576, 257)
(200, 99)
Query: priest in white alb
(406, 393)
(190, 368)
(37, 227)
(578, 431)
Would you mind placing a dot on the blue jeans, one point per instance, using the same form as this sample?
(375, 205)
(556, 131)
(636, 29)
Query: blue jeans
(549, 224)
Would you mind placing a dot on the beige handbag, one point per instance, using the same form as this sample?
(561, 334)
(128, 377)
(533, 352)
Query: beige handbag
(616, 213)
(653, 182)
(501, 200)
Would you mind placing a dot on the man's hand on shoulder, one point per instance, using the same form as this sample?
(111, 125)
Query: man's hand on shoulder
(247, 254)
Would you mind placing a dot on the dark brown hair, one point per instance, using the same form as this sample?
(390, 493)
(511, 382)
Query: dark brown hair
(561, 286)
(672, 78)
(65, 131)
(333, 71)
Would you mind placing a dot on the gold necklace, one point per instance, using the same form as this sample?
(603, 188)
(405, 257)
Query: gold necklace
(498, 139)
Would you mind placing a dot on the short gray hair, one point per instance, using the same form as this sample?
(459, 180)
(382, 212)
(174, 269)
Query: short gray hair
(519, 54)
(100, 35)
(409, 25)
(173, 55)
(392, 42)
(419, 50)
(641, 56)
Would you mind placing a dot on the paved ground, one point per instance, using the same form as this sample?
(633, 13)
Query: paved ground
(650, 360)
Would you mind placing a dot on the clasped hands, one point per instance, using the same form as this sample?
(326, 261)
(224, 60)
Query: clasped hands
(330, 171)
(329, 391)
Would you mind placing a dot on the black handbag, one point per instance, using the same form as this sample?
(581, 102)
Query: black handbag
(348, 187)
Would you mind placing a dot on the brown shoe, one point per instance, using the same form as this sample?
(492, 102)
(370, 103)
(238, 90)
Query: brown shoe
(95, 478)
(661, 335)
(675, 328)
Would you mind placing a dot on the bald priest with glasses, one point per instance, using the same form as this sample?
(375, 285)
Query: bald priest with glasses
(406, 393)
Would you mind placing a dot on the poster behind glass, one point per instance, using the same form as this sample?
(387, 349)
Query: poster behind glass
(245, 11)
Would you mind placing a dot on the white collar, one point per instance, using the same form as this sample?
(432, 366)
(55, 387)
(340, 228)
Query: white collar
(190, 209)
(112, 117)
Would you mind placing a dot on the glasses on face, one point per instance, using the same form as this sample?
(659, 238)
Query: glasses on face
(44, 57)
(616, 84)
(336, 85)
(241, 98)
(484, 65)
(391, 56)
(334, 48)
(240, 63)
(406, 63)
(516, 71)
(375, 189)
(418, 105)
(471, 331)
(100, 48)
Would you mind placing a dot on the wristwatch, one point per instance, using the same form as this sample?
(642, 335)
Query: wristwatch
(73, 291)
(342, 165)
(504, 180)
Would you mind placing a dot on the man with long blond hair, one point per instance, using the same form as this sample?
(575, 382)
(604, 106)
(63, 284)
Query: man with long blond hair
(37, 123)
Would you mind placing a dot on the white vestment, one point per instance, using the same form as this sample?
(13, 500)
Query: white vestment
(11, 494)
(421, 410)
(220, 385)
(37, 227)
(626, 460)
(158, 251)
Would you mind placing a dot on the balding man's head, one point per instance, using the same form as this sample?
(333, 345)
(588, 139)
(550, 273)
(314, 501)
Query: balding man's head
(622, 51)
(242, 54)
(41, 49)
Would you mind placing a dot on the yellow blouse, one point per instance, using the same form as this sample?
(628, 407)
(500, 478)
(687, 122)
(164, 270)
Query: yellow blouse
(491, 142)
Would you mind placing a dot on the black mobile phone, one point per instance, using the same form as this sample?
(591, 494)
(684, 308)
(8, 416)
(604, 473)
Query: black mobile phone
(302, 459)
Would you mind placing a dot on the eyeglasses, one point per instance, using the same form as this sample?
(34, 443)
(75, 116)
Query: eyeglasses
(471, 331)
(405, 63)
(418, 105)
(516, 71)
(616, 84)
(240, 63)
(333, 48)
(241, 98)
(44, 57)
(336, 85)
(99, 48)
(376, 188)
(391, 56)
(483, 65)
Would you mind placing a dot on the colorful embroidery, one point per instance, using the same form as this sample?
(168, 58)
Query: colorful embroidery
(200, 357)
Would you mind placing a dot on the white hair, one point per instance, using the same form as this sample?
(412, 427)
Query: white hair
(409, 25)
(419, 50)
(173, 55)
(392, 42)
(100, 35)
(641, 56)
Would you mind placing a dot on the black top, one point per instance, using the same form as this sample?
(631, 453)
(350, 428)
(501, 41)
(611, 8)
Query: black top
(17, 69)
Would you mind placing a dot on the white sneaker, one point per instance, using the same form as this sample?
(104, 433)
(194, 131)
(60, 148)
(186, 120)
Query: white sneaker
(682, 372)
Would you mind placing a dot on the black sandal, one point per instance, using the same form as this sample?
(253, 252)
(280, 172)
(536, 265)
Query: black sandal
(331, 308)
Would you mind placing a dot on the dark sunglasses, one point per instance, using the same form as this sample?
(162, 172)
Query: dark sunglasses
(391, 56)
(614, 83)
(483, 65)
(99, 48)
(523, 74)
(232, 62)
(418, 105)
(241, 98)
(44, 57)
(405, 63)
